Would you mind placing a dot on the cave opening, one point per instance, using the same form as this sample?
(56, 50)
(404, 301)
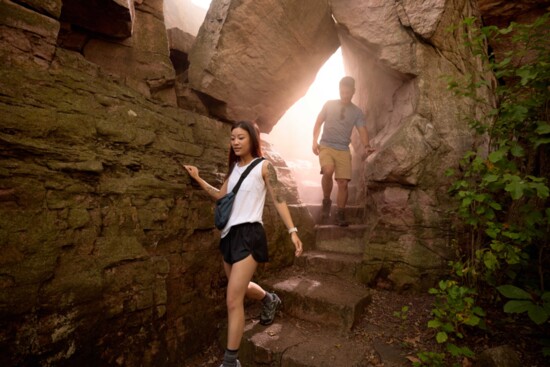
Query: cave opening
(292, 135)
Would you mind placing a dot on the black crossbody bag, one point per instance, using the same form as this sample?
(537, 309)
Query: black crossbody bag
(225, 204)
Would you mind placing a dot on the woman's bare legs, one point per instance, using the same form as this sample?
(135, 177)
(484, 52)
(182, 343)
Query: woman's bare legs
(239, 275)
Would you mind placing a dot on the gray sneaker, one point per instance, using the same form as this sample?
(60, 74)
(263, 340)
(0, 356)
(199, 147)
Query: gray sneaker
(341, 218)
(269, 310)
(237, 364)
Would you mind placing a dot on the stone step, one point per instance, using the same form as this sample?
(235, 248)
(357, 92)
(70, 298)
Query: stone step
(349, 240)
(353, 213)
(344, 266)
(291, 342)
(321, 298)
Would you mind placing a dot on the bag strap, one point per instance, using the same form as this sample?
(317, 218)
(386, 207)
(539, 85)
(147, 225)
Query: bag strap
(245, 173)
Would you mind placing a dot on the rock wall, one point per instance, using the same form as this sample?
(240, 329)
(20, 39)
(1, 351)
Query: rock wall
(108, 255)
(401, 53)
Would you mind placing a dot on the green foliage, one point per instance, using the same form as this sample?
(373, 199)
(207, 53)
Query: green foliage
(430, 359)
(501, 187)
(454, 310)
(402, 314)
(536, 305)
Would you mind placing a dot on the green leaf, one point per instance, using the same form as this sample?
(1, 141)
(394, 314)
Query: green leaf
(511, 291)
(495, 205)
(496, 156)
(490, 178)
(434, 324)
(490, 260)
(472, 320)
(441, 337)
(538, 314)
(545, 297)
(515, 306)
(515, 188)
(478, 311)
(517, 150)
(543, 128)
(526, 75)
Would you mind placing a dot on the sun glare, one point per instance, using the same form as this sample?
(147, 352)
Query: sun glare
(292, 137)
(205, 4)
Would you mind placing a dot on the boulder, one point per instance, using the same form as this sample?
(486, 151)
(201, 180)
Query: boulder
(47, 7)
(112, 18)
(143, 60)
(26, 36)
(501, 356)
(179, 43)
(257, 57)
(501, 12)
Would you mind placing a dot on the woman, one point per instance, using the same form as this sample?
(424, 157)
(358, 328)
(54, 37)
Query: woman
(243, 241)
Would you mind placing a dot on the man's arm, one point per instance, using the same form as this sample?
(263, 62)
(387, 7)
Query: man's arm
(364, 136)
(316, 132)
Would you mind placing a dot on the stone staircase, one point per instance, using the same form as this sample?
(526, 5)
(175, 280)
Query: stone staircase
(322, 302)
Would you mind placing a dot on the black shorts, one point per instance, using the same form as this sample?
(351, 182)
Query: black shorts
(243, 240)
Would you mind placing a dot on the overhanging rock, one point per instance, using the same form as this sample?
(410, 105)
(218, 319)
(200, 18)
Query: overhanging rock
(257, 57)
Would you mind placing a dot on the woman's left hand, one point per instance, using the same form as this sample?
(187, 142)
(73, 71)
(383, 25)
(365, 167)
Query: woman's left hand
(297, 244)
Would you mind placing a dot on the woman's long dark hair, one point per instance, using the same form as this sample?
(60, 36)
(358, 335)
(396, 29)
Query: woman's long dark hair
(255, 147)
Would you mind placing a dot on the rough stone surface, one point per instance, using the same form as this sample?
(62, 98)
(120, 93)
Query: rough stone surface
(143, 60)
(114, 18)
(47, 7)
(399, 55)
(501, 12)
(108, 255)
(503, 356)
(257, 57)
(26, 36)
(180, 43)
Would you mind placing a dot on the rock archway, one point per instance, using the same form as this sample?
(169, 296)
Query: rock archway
(257, 65)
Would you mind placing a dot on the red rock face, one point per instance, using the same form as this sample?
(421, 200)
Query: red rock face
(107, 250)
(258, 57)
(502, 12)
(114, 18)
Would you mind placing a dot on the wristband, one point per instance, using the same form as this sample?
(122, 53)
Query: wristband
(292, 230)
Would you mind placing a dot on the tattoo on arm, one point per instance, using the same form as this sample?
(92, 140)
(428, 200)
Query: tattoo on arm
(277, 187)
(211, 190)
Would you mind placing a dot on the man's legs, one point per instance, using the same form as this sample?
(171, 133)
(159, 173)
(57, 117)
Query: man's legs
(341, 201)
(342, 197)
(326, 181)
(326, 184)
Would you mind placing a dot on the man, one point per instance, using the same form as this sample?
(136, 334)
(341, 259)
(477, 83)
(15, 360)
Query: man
(339, 118)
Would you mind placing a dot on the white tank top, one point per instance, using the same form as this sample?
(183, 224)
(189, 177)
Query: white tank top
(248, 206)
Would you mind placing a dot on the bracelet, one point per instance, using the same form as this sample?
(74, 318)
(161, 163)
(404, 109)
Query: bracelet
(292, 230)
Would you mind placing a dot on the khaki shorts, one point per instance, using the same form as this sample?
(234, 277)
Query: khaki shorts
(340, 159)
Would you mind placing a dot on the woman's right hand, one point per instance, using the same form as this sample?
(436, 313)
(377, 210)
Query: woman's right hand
(192, 170)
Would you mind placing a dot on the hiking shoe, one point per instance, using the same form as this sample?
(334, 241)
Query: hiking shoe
(269, 310)
(341, 218)
(237, 364)
(325, 210)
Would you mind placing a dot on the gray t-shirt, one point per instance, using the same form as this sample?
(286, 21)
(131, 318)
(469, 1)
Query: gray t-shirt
(339, 122)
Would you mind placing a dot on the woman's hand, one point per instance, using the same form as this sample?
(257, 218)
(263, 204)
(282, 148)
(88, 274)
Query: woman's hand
(297, 244)
(192, 170)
